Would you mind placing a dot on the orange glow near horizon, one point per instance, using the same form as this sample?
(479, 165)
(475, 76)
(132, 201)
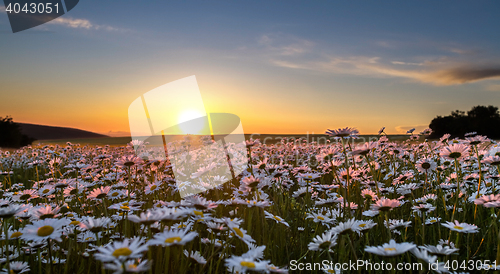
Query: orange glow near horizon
(104, 109)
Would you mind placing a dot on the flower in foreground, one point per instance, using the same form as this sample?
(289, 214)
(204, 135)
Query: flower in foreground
(274, 269)
(425, 164)
(385, 204)
(423, 255)
(364, 149)
(276, 218)
(351, 225)
(454, 151)
(10, 210)
(94, 224)
(440, 249)
(146, 218)
(390, 249)
(237, 264)
(241, 233)
(17, 267)
(195, 256)
(44, 230)
(130, 266)
(122, 251)
(461, 227)
(173, 237)
(343, 132)
(488, 200)
(324, 242)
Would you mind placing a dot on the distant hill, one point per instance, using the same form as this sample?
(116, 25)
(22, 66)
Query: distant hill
(41, 132)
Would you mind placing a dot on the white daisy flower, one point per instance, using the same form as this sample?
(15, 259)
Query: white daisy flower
(17, 267)
(440, 249)
(130, 266)
(276, 218)
(121, 251)
(423, 255)
(324, 242)
(390, 249)
(44, 230)
(173, 237)
(237, 264)
(195, 256)
(461, 227)
(94, 224)
(241, 233)
(347, 226)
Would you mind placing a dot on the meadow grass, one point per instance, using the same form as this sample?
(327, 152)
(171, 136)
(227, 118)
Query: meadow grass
(101, 209)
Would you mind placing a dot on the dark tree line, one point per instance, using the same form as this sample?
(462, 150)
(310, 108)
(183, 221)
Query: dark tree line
(11, 135)
(485, 120)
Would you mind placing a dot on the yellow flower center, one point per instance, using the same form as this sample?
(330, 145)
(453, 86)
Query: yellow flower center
(89, 239)
(238, 231)
(124, 251)
(16, 234)
(74, 223)
(45, 191)
(70, 215)
(432, 221)
(173, 239)
(153, 187)
(362, 225)
(247, 264)
(132, 266)
(321, 218)
(390, 249)
(114, 194)
(45, 231)
(277, 218)
(125, 207)
(458, 227)
(199, 213)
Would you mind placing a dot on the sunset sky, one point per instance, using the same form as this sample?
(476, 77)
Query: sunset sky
(281, 66)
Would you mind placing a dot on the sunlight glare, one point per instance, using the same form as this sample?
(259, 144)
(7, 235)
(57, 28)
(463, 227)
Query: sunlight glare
(196, 124)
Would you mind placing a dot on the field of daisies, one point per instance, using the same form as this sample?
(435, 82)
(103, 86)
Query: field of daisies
(93, 209)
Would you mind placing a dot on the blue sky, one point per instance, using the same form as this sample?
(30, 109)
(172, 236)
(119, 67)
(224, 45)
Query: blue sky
(282, 66)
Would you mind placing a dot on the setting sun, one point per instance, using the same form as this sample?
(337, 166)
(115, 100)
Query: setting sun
(192, 121)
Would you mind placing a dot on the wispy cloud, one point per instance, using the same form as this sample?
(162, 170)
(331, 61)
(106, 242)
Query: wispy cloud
(73, 23)
(77, 23)
(406, 63)
(464, 74)
(285, 45)
(454, 65)
(438, 71)
(82, 24)
(463, 51)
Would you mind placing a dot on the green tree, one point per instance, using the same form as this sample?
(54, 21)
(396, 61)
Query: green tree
(11, 135)
(485, 120)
